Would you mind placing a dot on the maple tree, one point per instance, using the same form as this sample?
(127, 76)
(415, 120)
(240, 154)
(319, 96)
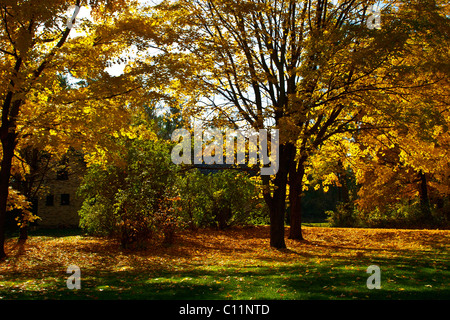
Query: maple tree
(43, 111)
(399, 160)
(406, 163)
(310, 68)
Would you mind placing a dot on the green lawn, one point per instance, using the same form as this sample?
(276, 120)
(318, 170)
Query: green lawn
(237, 264)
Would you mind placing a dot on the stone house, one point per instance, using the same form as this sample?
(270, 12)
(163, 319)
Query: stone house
(58, 203)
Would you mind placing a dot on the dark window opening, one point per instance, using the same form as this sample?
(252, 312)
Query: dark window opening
(50, 200)
(65, 199)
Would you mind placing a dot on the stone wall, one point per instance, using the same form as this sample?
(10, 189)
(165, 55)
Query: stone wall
(58, 205)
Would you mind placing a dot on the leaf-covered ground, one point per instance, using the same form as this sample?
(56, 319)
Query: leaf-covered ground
(234, 264)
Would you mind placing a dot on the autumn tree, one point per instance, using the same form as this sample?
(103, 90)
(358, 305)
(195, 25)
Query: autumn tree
(20, 22)
(409, 161)
(38, 47)
(312, 69)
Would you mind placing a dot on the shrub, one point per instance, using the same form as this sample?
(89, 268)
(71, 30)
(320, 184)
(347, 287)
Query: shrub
(343, 216)
(149, 198)
(401, 215)
(132, 203)
(99, 188)
(222, 199)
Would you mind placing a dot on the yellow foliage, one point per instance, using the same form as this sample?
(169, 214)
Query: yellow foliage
(19, 202)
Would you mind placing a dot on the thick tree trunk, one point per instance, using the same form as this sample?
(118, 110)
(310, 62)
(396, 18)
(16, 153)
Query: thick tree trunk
(295, 199)
(2, 231)
(277, 225)
(10, 111)
(8, 144)
(277, 208)
(277, 202)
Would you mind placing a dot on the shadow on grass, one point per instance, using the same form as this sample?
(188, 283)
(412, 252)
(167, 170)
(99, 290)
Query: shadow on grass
(322, 272)
(47, 232)
(339, 279)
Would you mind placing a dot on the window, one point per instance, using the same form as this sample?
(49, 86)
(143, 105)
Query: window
(50, 200)
(65, 199)
(62, 175)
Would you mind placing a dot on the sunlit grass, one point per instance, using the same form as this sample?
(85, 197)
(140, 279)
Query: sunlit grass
(234, 264)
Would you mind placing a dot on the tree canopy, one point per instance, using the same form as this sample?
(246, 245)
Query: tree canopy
(313, 69)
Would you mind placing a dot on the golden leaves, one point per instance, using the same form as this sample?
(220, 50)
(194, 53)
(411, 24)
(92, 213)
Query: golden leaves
(238, 247)
(236, 263)
(19, 201)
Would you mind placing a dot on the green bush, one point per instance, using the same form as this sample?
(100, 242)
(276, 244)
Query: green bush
(149, 197)
(99, 188)
(343, 216)
(398, 215)
(222, 199)
(132, 203)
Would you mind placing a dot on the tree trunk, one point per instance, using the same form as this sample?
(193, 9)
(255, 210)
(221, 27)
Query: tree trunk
(277, 226)
(277, 202)
(343, 192)
(8, 144)
(2, 230)
(277, 211)
(23, 232)
(295, 199)
(10, 111)
(28, 187)
(423, 194)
